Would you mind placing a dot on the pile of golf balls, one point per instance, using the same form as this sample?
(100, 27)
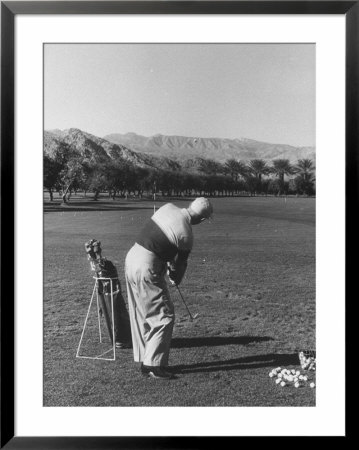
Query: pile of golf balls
(286, 377)
(307, 362)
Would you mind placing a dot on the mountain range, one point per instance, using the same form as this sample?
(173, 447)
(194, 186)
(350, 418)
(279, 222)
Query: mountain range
(166, 152)
(181, 148)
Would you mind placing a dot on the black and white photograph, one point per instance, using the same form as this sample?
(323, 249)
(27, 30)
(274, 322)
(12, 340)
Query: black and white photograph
(179, 212)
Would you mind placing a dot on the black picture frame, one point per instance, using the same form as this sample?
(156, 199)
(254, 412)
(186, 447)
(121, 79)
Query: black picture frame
(9, 9)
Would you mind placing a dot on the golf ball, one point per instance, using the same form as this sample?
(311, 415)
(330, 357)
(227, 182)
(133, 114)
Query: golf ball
(297, 384)
(312, 385)
(283, 384)
(271, 375)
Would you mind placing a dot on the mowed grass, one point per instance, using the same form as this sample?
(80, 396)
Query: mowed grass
(251, 278)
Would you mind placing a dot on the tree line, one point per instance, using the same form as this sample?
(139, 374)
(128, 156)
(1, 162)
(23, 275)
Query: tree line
(119, 178)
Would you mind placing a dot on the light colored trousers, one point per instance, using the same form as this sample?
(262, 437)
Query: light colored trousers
(150, 307)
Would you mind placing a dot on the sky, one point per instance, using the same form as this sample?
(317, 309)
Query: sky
(264, 92)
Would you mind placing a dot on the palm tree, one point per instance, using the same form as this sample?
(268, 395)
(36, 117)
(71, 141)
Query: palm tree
(210, 167)
(305, 168)
(235, 169)
(258, 167)
(305, 180)
(281, 167)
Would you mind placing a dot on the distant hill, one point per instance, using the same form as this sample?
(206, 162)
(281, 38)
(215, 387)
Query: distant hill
(181, 148)
(91, 147)
(98, 150)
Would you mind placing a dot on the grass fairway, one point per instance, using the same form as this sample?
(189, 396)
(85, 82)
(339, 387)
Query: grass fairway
(251, 277)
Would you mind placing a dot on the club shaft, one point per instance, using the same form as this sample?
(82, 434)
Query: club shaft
(189, 312)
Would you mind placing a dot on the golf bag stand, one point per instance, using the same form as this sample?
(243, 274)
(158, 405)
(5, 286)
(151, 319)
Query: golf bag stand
(102, 308)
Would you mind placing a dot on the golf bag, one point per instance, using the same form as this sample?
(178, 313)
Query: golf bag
(104, 268)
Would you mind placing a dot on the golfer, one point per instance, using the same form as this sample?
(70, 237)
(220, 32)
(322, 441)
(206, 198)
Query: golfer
(162, 246)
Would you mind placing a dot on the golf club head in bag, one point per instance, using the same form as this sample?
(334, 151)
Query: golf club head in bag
(93, 249)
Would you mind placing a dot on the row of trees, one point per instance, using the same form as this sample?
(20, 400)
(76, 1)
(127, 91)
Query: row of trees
(120, 178)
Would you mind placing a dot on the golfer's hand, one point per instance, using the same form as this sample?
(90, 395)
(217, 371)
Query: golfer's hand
(172, 281)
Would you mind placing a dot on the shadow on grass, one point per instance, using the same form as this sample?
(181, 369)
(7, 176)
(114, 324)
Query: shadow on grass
(216, 341)
(247, 362)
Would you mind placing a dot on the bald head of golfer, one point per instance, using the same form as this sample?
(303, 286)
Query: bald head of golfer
(199, 210)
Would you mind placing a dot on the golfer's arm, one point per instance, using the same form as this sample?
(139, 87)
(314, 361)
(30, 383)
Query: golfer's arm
(178, 266)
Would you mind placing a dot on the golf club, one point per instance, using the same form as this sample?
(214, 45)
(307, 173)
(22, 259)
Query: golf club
(154, 197)
(194, 316)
